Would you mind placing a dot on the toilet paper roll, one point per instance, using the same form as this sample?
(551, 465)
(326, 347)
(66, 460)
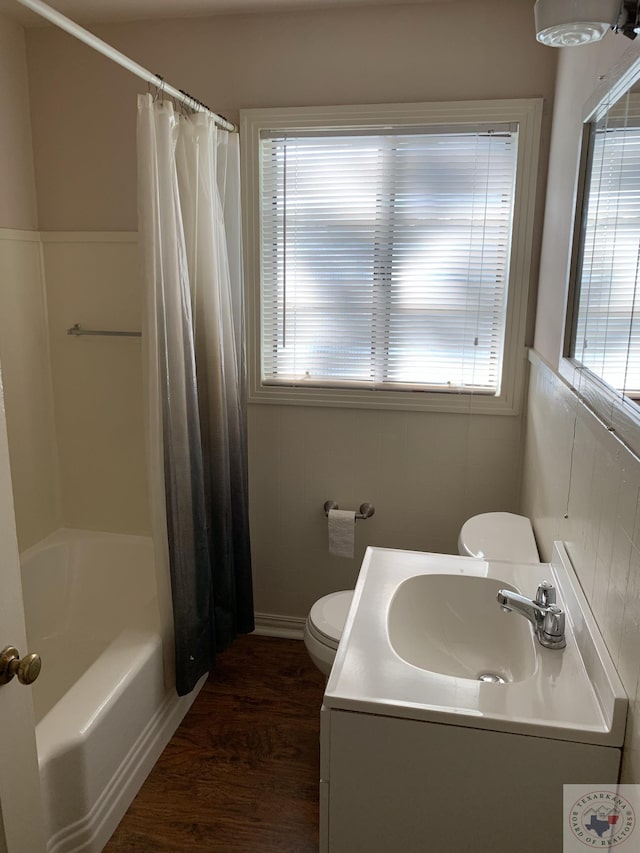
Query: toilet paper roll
(342, 527)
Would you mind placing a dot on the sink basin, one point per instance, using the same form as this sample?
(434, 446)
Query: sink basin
(452, 624)
(424, 628)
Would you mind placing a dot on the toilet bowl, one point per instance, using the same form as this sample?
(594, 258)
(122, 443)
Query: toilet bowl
(490, 536)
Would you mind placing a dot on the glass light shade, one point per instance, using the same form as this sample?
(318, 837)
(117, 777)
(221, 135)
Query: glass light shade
(567, 23)
(571, 35)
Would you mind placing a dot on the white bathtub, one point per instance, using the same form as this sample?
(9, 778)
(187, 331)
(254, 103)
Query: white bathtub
(103, 713)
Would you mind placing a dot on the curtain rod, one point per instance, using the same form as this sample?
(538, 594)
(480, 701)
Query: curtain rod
(102, 47)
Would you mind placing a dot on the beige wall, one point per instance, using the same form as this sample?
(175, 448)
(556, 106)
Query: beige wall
(98, 389)
(580, 484)
(424, 472)
(24, 342)
(93, 279)
(24, 355)
(18, 196)
(83, 106)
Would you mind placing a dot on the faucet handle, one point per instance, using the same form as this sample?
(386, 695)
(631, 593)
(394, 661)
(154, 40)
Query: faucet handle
(546, 594)
(553, 627)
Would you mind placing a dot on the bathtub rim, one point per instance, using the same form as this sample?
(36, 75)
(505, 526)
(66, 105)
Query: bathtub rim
(69, 535)
(90, 833)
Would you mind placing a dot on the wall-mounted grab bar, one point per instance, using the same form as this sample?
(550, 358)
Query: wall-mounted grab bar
(366, 510)
(76, 330)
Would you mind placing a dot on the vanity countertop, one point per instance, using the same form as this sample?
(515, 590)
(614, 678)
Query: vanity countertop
(571, 694)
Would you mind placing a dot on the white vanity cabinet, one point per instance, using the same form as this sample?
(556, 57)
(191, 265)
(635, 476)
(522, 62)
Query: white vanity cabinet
(394, 785)
(418, 754)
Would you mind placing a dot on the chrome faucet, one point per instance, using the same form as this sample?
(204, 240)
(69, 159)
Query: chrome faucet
(542, 611)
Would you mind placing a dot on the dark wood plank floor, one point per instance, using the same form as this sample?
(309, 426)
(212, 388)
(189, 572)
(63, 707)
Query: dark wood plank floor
(241, 773)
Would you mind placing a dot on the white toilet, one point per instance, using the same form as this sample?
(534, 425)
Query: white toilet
(490, 536)
(498, 536)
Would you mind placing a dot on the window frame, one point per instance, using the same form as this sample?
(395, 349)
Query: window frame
(527, 113)
(618, 413)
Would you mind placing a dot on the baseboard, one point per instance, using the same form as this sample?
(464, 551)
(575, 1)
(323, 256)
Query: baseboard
(91, 833)
(272, 625)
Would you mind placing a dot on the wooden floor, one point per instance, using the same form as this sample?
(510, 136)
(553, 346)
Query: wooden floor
(241, 773)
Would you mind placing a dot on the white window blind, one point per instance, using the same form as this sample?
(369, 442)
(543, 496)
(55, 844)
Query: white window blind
(607, 329)
(385, 257)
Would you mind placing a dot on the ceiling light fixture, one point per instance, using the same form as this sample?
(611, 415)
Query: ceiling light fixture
(568, 23)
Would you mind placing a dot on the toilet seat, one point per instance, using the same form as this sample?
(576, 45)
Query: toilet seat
(323, 628)
(499, 536)
(327, 617)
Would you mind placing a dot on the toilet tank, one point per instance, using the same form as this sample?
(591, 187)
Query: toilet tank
(499, 536)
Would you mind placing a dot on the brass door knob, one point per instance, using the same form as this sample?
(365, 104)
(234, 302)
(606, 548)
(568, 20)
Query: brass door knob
(27, 668)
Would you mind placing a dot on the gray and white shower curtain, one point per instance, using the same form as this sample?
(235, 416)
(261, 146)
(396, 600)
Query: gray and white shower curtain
(189, 225)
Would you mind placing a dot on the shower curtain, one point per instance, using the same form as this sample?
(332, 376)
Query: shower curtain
(189, 222)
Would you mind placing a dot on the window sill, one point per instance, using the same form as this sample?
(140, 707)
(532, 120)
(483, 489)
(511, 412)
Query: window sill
(356, 398)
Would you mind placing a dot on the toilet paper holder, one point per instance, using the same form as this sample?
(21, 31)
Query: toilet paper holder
(366, 509)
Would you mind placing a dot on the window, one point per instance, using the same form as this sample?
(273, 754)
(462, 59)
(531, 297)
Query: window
(385, 252)
(606, 334)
